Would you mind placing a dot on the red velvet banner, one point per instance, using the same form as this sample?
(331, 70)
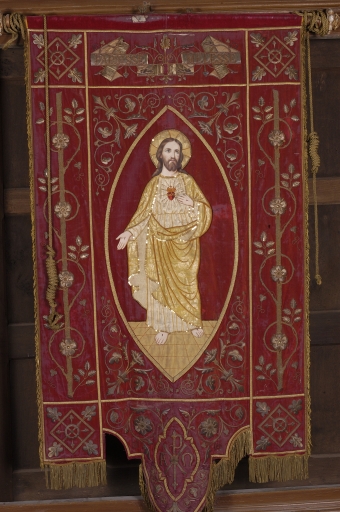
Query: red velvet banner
(171, 306)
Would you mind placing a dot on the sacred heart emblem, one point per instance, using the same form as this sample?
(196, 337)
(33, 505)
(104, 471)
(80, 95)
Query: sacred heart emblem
(171, 192)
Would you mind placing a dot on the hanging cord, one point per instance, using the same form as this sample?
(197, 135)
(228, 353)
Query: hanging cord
(51, 266)
(317, 24)
(13, 24)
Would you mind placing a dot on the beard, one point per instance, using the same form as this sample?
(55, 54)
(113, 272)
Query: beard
(171, 165)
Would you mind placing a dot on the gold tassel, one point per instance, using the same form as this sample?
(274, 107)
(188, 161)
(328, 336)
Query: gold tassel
(223, 472)
(144, 490)
(278, 468)
(13, 24)
(75, 474)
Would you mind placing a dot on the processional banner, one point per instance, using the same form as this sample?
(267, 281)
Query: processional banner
(168, 200)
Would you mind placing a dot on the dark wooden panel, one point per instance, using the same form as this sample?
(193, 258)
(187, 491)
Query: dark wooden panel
(19, 274)
(325, 327)
(325, 53)
(21, 341)
(325, 392)
(326, 296)
(326, 100)
(24, 414)
(13, 110)
(5, 454)
(17, 201)
(327, 190)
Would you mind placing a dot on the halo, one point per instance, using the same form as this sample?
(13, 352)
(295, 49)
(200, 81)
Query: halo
(173, 134)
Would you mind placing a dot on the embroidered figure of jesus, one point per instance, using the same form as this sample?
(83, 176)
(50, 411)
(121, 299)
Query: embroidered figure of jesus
(163, 244)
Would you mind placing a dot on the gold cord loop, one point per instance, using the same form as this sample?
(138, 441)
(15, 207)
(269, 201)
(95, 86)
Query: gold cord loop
(13, 24)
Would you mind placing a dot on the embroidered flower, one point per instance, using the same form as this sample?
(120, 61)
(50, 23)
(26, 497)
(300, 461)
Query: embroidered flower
(262, 443)
(88, 412)
(291, 38)
(66, 279)
(209, 427)
(258, 74)
(39, 76)
(143, 425)
(60, 141)
(278, 206)
(279, 341)
(114, 417)
(292, 73)
(91, 448)
(75, 75)
(295, 406)
(62, 209)
(276, 138)
(278, 273)
(296, 441)
(52, 412)
(165, 43)
(55, 449)
(262, 408)
(68, 347)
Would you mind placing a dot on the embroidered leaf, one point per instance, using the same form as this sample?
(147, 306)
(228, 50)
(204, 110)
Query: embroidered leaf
(42, 180)
(285, 176)
(261, 162)
(287, 311)
(268, 366)
(263, 236)
(87, 366)
(84, 248)
(137, 357)
(68, 119)
(90, 382)
(268, 108)
(83, 256)
(295, 118)
(76, 377)
(257, 109)
(291, 168)
(115, 358)
(297, 319)
(185, 413)
(258, 368)
(72, 248)
(295, 365)
(285, 184)
(41, 106)
(296, 176)
(79, 241)
(40, 121)
(130, 131)
(74, 103)
(258, 244)
(239, 413)
(258, 118)
(91, 373)
(81, 372)
(205, 128)
(259, 251)
(68, 111)
(271, 251)
(211, 355)
(79, 119)
(260, 377)
(269, 116)
(79, 111)
(286, 319)
(272, 371)
(54, 188)
(270, 244)
(53, 180)
(261, 360)
(286, 109)
(44, 189)
(297, 311)
(51, 111)
(296, 184)
(235, 355)
(72, 256)
(293, 303)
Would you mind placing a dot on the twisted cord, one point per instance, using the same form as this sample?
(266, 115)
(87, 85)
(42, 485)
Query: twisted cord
(14, 24)
(318, 23)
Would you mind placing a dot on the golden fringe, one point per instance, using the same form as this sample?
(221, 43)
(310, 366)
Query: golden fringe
(223, 472)
(75, 474)
(306, 242)
(144, 490)
(34, 251)
(278, 468)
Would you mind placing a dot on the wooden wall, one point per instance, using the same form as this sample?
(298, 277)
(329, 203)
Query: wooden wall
(18, 419)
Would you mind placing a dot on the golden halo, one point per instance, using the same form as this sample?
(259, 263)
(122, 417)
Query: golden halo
(173, 134)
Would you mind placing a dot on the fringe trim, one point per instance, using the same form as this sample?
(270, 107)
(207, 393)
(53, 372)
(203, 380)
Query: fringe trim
(223, 472)
(278, 468)
(75, 474)
(145, 491)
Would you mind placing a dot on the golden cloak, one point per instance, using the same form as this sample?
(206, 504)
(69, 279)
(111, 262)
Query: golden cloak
(164, 252)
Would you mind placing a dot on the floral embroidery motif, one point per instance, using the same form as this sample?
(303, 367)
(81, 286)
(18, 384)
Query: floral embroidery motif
(68, 347)
(60, 141)
(62, 210)
(66, 279)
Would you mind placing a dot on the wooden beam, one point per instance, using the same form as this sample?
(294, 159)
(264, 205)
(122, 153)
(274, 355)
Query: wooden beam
(63, 7)
(328, 190)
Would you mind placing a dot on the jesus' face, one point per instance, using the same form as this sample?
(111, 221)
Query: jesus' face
(170, 156)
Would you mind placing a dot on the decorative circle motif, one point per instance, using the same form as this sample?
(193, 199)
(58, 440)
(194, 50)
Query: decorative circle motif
(57, 59)
(72, 431)
(274, 56)
(279, 424)
(173, 134)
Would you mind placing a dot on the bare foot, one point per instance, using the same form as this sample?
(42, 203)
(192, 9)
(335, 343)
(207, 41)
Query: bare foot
(198, 333)
(161, 338)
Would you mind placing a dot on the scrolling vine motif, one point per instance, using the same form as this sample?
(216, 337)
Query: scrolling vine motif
(275, 265)
(116, 126)
(219, 119)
